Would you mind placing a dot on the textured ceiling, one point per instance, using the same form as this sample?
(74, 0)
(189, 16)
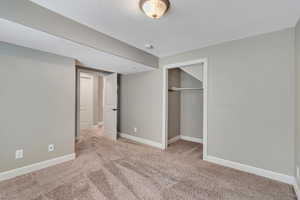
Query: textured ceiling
(190, 24)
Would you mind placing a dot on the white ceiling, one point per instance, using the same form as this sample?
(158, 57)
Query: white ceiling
(190, 24)
(27, 37)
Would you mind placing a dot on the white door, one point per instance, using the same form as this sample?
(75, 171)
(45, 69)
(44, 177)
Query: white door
(110, 105)
(86, 100)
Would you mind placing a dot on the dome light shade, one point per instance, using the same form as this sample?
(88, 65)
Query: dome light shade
(154, 8)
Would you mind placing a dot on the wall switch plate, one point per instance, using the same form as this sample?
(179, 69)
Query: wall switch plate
(19, 154)
(298, 173)
(51, 147)
(135, 129)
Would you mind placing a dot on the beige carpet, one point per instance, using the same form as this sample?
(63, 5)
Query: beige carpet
(124, 170)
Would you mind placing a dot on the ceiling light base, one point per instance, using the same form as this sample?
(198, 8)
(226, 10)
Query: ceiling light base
(154, 9)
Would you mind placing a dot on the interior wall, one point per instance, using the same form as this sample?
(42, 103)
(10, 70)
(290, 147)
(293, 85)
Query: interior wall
(37, 103)
(191, 121)
(174, 103)
(297, 139)
(98, 99)
(96, 95)
(101, 99)
(250, 100)
(141, 105)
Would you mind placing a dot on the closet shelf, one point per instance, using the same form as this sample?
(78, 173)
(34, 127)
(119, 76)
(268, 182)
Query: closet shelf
(181, 89)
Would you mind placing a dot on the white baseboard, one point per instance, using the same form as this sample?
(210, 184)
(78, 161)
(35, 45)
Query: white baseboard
(174, 139)
(253, 170)
(98, 124)
(191, 139)
(296, 188)
(34, 167)
(141, 140)
(186, 138)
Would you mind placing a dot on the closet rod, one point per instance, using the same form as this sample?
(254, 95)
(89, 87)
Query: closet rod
(181, 89)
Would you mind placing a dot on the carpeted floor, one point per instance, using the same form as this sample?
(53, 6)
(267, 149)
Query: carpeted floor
(124, 170)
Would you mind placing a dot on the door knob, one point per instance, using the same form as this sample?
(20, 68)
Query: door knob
(115, 109)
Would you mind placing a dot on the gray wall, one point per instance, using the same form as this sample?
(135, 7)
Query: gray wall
(250, 100)
(141, 105)
(37, 103)
(98, 98)
(174, 103)
(191, 120)
(30, 14)
(297, 139)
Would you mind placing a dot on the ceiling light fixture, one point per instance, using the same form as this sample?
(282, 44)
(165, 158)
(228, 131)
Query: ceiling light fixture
(154, 8)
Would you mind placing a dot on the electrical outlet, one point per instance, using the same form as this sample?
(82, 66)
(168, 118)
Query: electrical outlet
(135, 129)
(51, 147)
(298, 173)
(19, 154)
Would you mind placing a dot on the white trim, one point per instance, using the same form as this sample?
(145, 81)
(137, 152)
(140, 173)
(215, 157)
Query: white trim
(98, 124)
(205, 107)
(174, 139)
(141, 140)
(186, 138)
(253, 170)
(34, 167)
(296, 188)
(164, 109)
(165, 68)
(191, 139)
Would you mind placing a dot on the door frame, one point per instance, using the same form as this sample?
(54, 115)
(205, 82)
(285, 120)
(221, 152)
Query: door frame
(91, 76)
(77, 93)
(204, 62)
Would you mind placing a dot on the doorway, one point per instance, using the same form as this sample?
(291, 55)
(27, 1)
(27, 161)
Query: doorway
(90, 98)
(185, 102)
(96, 103)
